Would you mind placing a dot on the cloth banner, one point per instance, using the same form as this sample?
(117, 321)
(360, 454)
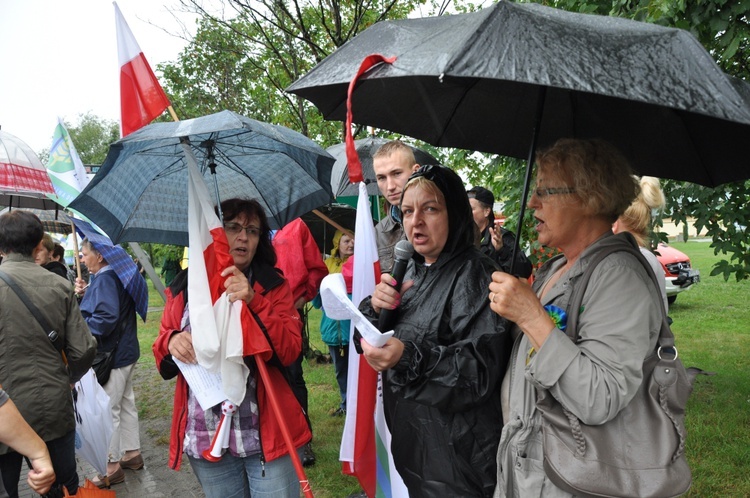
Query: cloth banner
(365, 444)
(64, 166)
(142, 98)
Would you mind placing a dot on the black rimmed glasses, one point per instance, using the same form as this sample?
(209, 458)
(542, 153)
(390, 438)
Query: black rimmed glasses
(543, 193)
(235, 228)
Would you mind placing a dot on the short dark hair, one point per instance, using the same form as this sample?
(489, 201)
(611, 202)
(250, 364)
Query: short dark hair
(20, 232)
(58, 251)
(232, 208)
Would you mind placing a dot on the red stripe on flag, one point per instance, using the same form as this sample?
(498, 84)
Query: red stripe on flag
(142, 98)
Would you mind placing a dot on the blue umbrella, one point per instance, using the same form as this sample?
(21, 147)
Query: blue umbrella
(121, 263)
(140, 192)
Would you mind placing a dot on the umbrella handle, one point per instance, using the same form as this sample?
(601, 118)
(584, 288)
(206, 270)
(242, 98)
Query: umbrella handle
(304, 483)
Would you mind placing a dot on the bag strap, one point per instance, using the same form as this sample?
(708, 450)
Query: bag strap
(666, 337)
(52, 335)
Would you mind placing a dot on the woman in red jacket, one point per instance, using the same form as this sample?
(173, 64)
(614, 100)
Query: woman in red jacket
(257, 460)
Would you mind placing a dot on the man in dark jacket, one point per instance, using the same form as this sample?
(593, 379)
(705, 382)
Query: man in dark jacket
(32, 369)
(496, 242)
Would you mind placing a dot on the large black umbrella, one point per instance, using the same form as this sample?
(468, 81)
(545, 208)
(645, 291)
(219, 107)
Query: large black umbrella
(366, 147)
(322, 230)
(516, 74)
(53, 220)
(140, 192)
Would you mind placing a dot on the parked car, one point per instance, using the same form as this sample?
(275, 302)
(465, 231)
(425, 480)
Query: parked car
(679, 274)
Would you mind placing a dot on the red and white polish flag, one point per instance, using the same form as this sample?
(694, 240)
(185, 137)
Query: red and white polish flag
(142, 98)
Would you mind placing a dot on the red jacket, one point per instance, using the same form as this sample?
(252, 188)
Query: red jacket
(299, 259)
(273, 308)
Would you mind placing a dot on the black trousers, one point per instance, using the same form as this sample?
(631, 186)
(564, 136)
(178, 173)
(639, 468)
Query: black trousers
(62, 452)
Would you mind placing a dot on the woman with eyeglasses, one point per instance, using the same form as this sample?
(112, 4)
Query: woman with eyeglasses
(443, 367)
(582, 187)
(257, 461)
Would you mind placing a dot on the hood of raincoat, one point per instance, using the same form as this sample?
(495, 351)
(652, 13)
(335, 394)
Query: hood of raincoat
(460, 220)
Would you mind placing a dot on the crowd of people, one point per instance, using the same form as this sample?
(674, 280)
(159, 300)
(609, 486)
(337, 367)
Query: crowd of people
(477, 336)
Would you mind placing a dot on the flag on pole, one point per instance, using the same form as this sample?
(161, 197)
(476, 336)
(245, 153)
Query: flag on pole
(365, 444)
(141, 96)
(65, 168)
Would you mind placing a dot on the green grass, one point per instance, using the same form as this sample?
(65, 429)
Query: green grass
(712, 327)
(712, 330)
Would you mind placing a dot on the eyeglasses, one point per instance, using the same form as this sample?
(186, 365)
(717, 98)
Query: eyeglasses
(545, 192)
(236, 228)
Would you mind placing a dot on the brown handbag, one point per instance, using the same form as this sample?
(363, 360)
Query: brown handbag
(641, 452)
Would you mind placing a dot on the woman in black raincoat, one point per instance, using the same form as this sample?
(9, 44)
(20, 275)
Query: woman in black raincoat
(444, 365)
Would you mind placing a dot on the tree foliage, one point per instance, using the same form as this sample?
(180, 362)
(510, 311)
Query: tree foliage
(245, 54)
(92, 136)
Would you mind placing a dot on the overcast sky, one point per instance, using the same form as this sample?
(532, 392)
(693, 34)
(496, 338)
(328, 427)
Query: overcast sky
(59, 58)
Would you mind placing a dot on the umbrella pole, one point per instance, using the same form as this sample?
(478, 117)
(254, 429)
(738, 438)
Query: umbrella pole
(284, 429)
(527, 178)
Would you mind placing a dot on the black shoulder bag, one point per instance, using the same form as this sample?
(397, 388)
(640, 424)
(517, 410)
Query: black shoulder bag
(51, 333)
(641, 452)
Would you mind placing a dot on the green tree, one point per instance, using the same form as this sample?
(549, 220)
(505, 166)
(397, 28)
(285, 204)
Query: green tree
(92, 136)
(244, 58)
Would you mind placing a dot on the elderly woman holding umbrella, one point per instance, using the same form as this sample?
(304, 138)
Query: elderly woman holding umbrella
(443, 366)
(110, 312)
(582, 186)
(257, 461)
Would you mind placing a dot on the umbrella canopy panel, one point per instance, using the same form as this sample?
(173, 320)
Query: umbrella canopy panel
(21, 171)
(366, 148)
(53, 221)
(475, 81)
(140, 192)
(322, 231)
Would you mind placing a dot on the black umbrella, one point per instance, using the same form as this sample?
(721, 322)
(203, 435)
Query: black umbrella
(140, 192)
(366, 147)
(322, 230)
(511, 75)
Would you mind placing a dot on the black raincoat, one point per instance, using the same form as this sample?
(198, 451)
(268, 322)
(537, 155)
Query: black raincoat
(442, 400)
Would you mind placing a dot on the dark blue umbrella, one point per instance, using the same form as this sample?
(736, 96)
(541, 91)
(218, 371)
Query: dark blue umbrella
(122, 264)
(140, 192)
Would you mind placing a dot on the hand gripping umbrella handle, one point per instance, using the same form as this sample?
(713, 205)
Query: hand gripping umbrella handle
(221, 437)
(304, 483)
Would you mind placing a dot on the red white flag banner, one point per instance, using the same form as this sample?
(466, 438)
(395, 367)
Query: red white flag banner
(366, 442)
(142, 98)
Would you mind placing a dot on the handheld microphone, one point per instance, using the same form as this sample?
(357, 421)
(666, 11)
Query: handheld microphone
(401, 255)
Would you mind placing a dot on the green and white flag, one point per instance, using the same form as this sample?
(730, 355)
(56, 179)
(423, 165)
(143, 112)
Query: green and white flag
(64, 167)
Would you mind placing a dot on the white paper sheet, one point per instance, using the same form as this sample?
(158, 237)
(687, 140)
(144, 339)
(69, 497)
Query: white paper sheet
(338, 306)
(205, 385)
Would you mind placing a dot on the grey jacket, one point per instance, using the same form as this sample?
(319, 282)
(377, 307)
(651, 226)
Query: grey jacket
(594, 378)
(31, 369)
(388, 232)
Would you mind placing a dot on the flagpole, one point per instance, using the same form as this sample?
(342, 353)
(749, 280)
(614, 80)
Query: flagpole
(280, 417)
(75, 248)
(336, 225)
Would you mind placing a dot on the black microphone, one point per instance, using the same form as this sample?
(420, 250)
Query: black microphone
(401, 256)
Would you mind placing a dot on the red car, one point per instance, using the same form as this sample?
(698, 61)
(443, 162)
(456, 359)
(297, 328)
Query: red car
(679, 274)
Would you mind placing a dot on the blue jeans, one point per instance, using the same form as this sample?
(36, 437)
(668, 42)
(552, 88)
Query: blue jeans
(340, 357)
(234, 477)
(62, 452)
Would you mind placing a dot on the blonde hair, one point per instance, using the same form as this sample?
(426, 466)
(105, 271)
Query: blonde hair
(48, 243)
(394, 146)
(637, 217)
(599, 173)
